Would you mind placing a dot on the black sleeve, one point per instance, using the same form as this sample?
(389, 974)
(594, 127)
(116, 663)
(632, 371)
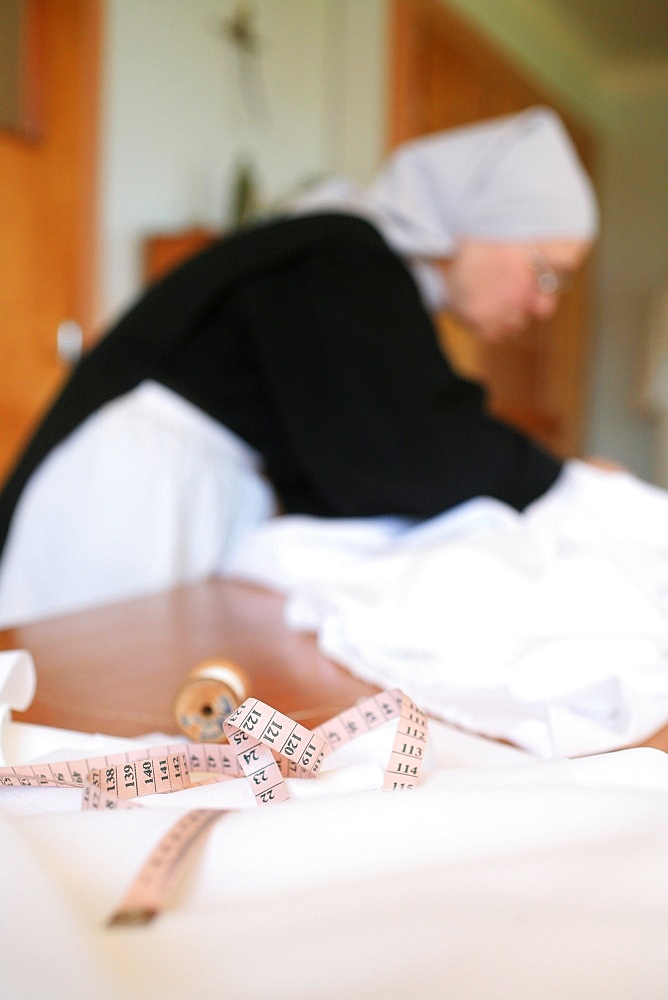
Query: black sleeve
(372, 419)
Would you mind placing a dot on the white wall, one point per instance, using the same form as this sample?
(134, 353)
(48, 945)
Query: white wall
(175, 124)
(632, 265)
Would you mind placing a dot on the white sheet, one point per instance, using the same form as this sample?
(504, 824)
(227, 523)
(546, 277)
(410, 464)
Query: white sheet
(517, 880)
(500, 876)
(547, 628)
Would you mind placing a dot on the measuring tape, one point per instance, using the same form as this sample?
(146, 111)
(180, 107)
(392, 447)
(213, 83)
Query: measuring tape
(264, 746)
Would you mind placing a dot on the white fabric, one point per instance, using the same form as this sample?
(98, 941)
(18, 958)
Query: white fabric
(147, 493)
(17, 686)
(547, 628)
(498, 876)
(517, 177)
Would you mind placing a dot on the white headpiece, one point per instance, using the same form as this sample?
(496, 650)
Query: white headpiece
(512, 178)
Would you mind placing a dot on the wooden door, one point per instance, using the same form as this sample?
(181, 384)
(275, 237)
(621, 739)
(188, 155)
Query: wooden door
(444, 73)
(47, 212)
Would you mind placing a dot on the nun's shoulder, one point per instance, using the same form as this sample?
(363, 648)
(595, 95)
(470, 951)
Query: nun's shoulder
(335, 228)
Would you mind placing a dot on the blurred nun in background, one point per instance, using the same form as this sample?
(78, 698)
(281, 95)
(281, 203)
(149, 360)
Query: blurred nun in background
(294, 367)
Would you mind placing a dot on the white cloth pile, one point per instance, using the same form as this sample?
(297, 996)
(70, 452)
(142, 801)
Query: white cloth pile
(548, 628)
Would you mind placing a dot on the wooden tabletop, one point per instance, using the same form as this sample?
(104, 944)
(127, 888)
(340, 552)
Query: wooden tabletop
(116, 669)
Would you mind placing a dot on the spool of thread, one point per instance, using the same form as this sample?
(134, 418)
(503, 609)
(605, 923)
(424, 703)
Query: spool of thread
(209, 694)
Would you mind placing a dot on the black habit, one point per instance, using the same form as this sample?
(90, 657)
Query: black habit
(307, 337)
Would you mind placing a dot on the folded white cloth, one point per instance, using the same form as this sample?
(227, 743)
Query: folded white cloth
(548, 628)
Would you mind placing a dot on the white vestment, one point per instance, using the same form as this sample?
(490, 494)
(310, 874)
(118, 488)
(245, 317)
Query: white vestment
(172, 489)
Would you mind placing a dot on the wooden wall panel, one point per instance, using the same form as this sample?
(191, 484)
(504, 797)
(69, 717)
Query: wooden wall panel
(47, 220)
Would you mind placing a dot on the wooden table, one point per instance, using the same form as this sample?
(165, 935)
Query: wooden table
(116, 669)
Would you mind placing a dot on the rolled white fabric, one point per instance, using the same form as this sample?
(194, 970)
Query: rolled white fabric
(17, 685)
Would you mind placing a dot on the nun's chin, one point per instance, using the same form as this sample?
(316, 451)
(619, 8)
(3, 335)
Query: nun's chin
(496, 330)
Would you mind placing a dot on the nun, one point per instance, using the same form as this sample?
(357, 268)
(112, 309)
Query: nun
(294, 367)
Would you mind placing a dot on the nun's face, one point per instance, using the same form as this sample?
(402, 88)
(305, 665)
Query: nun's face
(496, 289)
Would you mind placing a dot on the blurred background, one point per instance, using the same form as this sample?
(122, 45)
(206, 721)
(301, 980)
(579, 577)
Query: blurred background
(131, 131)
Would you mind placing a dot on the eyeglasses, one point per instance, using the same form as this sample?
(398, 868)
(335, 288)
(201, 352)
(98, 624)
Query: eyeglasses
(549, 281)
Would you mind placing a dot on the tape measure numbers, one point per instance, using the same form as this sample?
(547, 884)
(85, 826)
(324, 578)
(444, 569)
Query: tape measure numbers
(264, 746)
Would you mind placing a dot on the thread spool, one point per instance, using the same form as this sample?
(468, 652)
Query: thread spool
(209, 694)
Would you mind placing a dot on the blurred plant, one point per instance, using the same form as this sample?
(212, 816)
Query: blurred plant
(240, 30)
(245, 200)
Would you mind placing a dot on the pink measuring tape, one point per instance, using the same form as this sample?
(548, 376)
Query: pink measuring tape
(264, 746)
